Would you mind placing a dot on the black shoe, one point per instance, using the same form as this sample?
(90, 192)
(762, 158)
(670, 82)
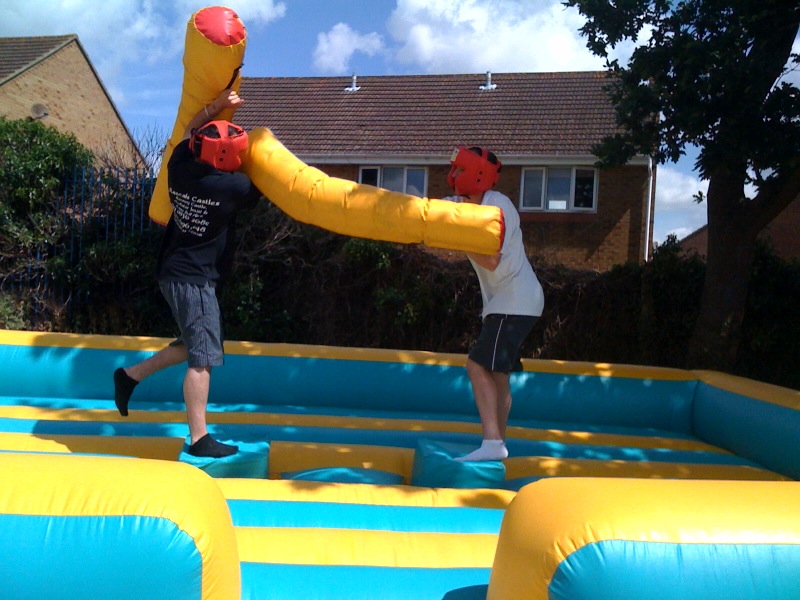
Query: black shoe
(208, 447)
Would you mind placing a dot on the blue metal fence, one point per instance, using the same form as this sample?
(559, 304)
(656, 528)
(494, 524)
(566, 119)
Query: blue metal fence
(114, 201)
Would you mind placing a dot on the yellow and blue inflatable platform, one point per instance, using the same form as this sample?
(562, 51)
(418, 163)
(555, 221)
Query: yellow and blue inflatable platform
(623, 481)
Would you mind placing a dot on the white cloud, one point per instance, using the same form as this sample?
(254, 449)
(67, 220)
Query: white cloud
(465, 36)
(253, 13)
(336, 47)
(119, 33)
(126, 40)
(676, 211)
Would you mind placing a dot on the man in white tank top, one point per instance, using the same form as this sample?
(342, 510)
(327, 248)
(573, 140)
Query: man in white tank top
(512, 301)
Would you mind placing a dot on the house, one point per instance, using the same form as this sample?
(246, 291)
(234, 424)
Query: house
(399, 132)
(51, 78)
(780, 234)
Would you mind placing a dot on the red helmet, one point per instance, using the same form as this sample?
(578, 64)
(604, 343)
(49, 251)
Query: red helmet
(219, 144)
(480, 170)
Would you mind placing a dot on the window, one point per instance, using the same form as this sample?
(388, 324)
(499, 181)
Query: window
(584, 188)
(558, 189)
(369, 175)
(532, 186)
(409, 180)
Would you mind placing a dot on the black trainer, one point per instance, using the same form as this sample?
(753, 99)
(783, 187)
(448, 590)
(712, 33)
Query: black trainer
(208, 447)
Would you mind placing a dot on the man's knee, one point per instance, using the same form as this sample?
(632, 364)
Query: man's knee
(475, 369)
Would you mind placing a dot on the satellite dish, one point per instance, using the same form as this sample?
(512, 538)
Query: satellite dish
(39, 111)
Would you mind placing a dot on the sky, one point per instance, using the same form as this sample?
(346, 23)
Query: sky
(136, 46)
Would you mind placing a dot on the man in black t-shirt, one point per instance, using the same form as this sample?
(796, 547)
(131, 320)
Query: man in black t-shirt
(196, 257)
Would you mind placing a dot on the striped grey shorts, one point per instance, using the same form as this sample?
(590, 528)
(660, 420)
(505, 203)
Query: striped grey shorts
(196, 311)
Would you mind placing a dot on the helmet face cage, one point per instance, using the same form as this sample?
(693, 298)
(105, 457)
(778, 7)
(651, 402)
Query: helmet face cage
(478, 173)
(219, 144)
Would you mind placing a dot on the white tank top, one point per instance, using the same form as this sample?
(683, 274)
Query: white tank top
(512, 288)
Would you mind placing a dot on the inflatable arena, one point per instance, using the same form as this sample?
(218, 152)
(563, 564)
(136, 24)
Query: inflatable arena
(622, 482)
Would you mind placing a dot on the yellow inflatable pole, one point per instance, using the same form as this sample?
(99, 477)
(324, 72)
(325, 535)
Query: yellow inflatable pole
(310, 196)
(213, 55)
(215, 42)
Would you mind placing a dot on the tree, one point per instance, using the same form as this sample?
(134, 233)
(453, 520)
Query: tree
(35, 160)
(144, 155)
(713, 74)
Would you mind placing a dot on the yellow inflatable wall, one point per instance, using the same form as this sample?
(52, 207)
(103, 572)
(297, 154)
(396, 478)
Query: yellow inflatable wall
(633, 538)
(215, 43)
(109, 527)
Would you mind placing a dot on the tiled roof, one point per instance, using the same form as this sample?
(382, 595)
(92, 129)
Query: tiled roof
(527, 114)
(20, 53)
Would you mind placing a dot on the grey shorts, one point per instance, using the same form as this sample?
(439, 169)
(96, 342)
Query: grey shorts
(196, 311)
(498, 344)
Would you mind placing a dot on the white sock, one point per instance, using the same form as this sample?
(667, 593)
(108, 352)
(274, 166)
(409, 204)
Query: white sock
(489, 450)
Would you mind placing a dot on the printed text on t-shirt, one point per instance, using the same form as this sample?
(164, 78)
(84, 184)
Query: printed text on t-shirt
(191, 212)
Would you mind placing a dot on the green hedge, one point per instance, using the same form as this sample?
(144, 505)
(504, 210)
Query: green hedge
(299, 284)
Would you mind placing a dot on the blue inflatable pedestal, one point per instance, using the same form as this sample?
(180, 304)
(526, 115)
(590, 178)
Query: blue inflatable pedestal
(434, 466)
(251, 461)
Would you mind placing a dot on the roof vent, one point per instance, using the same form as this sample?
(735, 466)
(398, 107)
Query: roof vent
(488, 85)
(353, 87)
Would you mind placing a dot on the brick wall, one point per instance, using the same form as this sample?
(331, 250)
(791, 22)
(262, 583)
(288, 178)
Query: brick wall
(781, 234)
(614, 235)
(784, 232)
(77, 103)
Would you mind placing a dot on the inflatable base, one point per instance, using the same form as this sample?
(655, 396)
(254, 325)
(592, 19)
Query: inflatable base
(252, 460)
(434, 466)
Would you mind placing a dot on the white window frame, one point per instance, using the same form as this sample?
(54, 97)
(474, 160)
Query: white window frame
(570, 203)
(380, 168)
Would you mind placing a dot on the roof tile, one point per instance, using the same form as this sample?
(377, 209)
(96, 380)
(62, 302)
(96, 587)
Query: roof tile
(527, 114)
(19, 53)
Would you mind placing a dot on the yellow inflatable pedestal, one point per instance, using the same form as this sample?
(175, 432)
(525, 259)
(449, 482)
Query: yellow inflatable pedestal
(215, 42)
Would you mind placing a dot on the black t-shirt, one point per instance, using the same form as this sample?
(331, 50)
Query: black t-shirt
(199, 242)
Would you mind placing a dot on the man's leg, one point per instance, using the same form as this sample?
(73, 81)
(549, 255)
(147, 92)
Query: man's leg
(196, 385)
(488, 400)
(126, 379)
(166, 357)
(484, 388)
(491, 359)
(503, 387)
